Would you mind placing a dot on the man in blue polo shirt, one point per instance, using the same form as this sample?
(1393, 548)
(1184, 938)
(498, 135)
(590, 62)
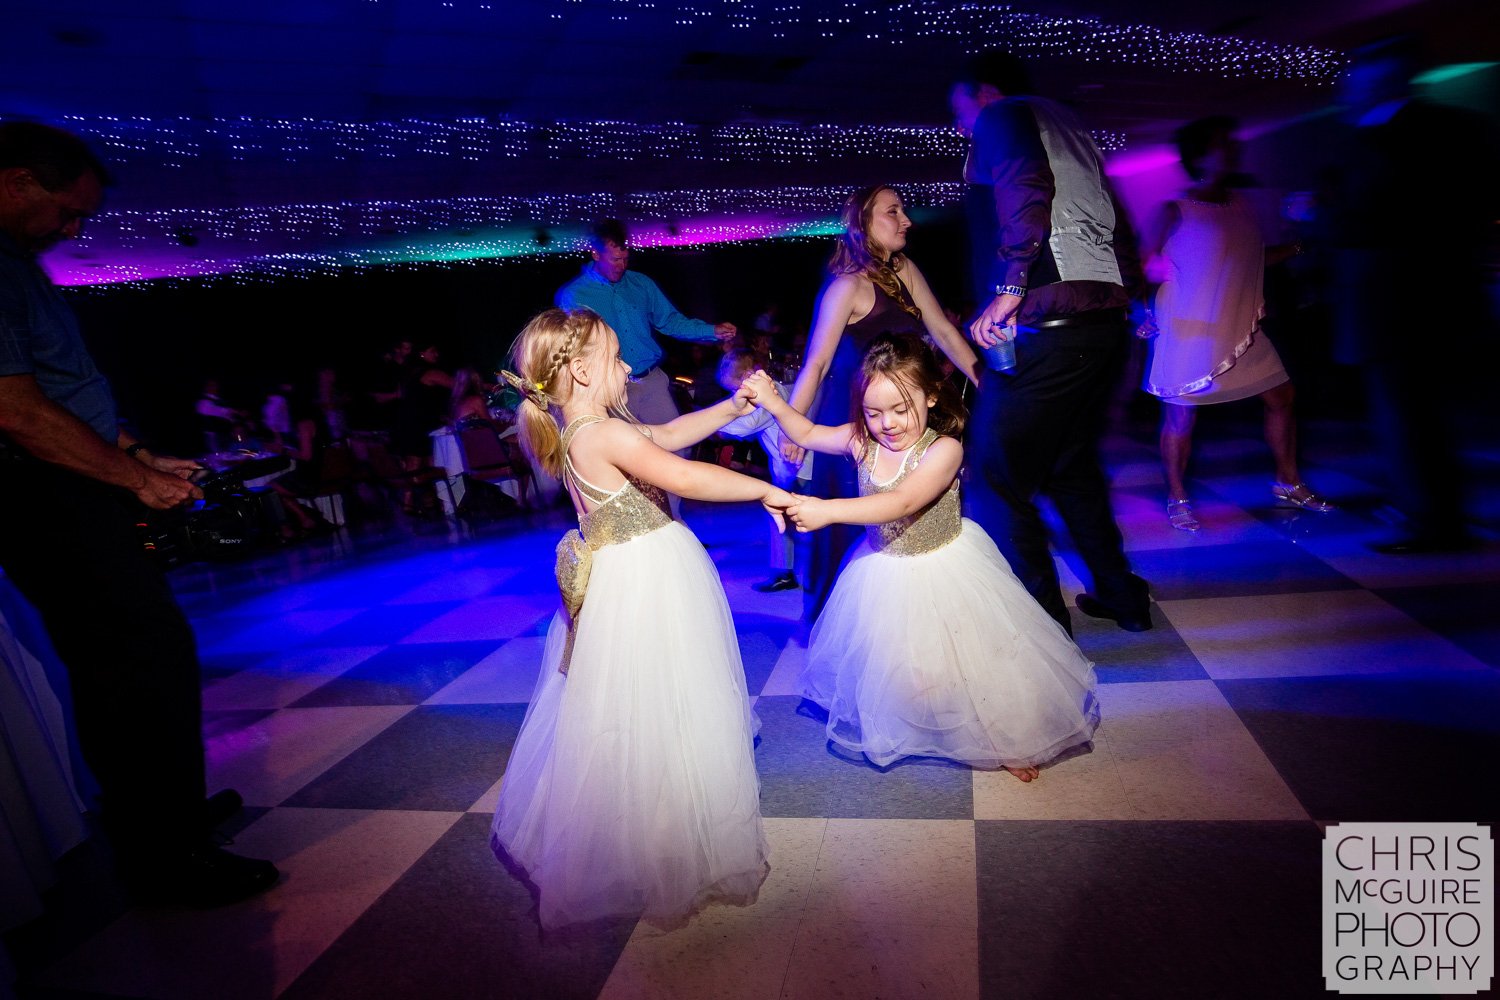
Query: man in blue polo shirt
(635, 308)
(72, 487)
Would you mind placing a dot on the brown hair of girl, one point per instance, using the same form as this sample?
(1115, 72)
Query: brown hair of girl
(912, 367)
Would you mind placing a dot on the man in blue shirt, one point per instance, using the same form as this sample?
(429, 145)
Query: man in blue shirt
(635, 308)
(72, 487)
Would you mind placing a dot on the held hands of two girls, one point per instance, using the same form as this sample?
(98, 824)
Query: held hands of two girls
(760, 389)
(808, 513)
(778, 503)
(744, 399)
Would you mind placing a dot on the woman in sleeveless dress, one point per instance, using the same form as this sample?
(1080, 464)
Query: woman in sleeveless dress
(631, 790)
(1207, 344)
(873, 289)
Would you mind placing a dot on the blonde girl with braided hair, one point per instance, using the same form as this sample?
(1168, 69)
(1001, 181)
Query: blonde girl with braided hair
(631, 790)
(873, 288)
(929, 646)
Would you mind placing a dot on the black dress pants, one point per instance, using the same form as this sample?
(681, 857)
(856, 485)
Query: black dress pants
(1036, 432)
(70, 545)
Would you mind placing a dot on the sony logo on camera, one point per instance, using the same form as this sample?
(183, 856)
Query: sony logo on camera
(1408, 908)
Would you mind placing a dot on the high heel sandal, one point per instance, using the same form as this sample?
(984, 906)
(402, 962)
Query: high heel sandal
(1299, 495)
(1180, 513)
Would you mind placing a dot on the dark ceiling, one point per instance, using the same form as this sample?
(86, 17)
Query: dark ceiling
(1135, 70)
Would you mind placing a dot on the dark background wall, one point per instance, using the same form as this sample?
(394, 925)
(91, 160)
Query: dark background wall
(157, 344)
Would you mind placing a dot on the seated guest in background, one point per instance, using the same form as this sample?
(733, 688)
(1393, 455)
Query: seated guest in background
(333, 401)
(307, 441)
(769, 321)
(276, 415)
(426, 391)
(75, 487)
(469, 401)
(385, 386)
(794, 477)
(706, 388)
(216, 420)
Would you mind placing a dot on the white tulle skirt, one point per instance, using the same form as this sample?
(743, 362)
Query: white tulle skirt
(631, 790)
(946, 655)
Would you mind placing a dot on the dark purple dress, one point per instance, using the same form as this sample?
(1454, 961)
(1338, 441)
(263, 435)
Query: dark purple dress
(821, 553)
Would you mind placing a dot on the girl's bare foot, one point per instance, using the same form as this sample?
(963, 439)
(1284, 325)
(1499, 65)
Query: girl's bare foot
(1024, 773)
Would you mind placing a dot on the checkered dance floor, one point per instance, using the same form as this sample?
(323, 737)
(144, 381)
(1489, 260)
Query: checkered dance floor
(363, 695)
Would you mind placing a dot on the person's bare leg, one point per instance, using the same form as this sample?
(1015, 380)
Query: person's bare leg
(1281, 435)
(1281, 431)
(1176, 448)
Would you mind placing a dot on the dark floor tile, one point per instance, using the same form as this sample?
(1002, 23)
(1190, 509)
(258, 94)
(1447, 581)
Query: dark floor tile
(440, 757)
(1120, 656)
(1380, 748)
(761, 644)
(214, 666)
(24, 992)
(383, 624)
(1236, 570)
(1468, 615)
(458, 925)
(85, 897)
(400, 675)
(222, 723)
(236, 823)
(801, 776)
(213, 629)
(361, 588)
(1149, 909)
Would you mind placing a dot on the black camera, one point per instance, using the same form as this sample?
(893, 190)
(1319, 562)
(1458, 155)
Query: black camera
(231, 519)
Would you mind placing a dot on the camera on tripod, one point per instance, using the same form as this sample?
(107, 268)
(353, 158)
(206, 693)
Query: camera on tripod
(231, 519)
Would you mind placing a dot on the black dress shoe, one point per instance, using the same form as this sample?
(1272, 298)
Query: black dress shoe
(1417, 545)
(205, 877)
(784, 581)
(220, 807)
(1130, 621)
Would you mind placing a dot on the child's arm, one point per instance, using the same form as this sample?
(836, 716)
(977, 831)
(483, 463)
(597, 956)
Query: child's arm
(690, 428)
(932, 476)
(750, 424)
(639, 456)
(815, 437)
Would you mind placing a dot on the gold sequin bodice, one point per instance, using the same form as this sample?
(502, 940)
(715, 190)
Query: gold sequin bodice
(928, 529)
(633, 510)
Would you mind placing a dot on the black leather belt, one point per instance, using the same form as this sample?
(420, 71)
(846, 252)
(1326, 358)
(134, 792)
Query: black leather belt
(1094, 317)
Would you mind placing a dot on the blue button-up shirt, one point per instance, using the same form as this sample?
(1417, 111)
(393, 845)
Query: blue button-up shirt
(633, 307)
(39, 337)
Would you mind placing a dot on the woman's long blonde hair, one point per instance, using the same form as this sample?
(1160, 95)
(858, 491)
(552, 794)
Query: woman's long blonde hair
(857, 252)
(541, 355)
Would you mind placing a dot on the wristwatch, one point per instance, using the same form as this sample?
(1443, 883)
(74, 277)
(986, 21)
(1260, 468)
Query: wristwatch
(135, 449)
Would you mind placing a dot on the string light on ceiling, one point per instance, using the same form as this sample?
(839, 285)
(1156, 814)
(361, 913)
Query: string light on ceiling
(495, 229)
(973, 24)
(179, 143)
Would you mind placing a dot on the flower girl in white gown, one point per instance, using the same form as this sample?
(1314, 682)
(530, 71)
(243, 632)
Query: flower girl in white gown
(631, 790)
(929, 645)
